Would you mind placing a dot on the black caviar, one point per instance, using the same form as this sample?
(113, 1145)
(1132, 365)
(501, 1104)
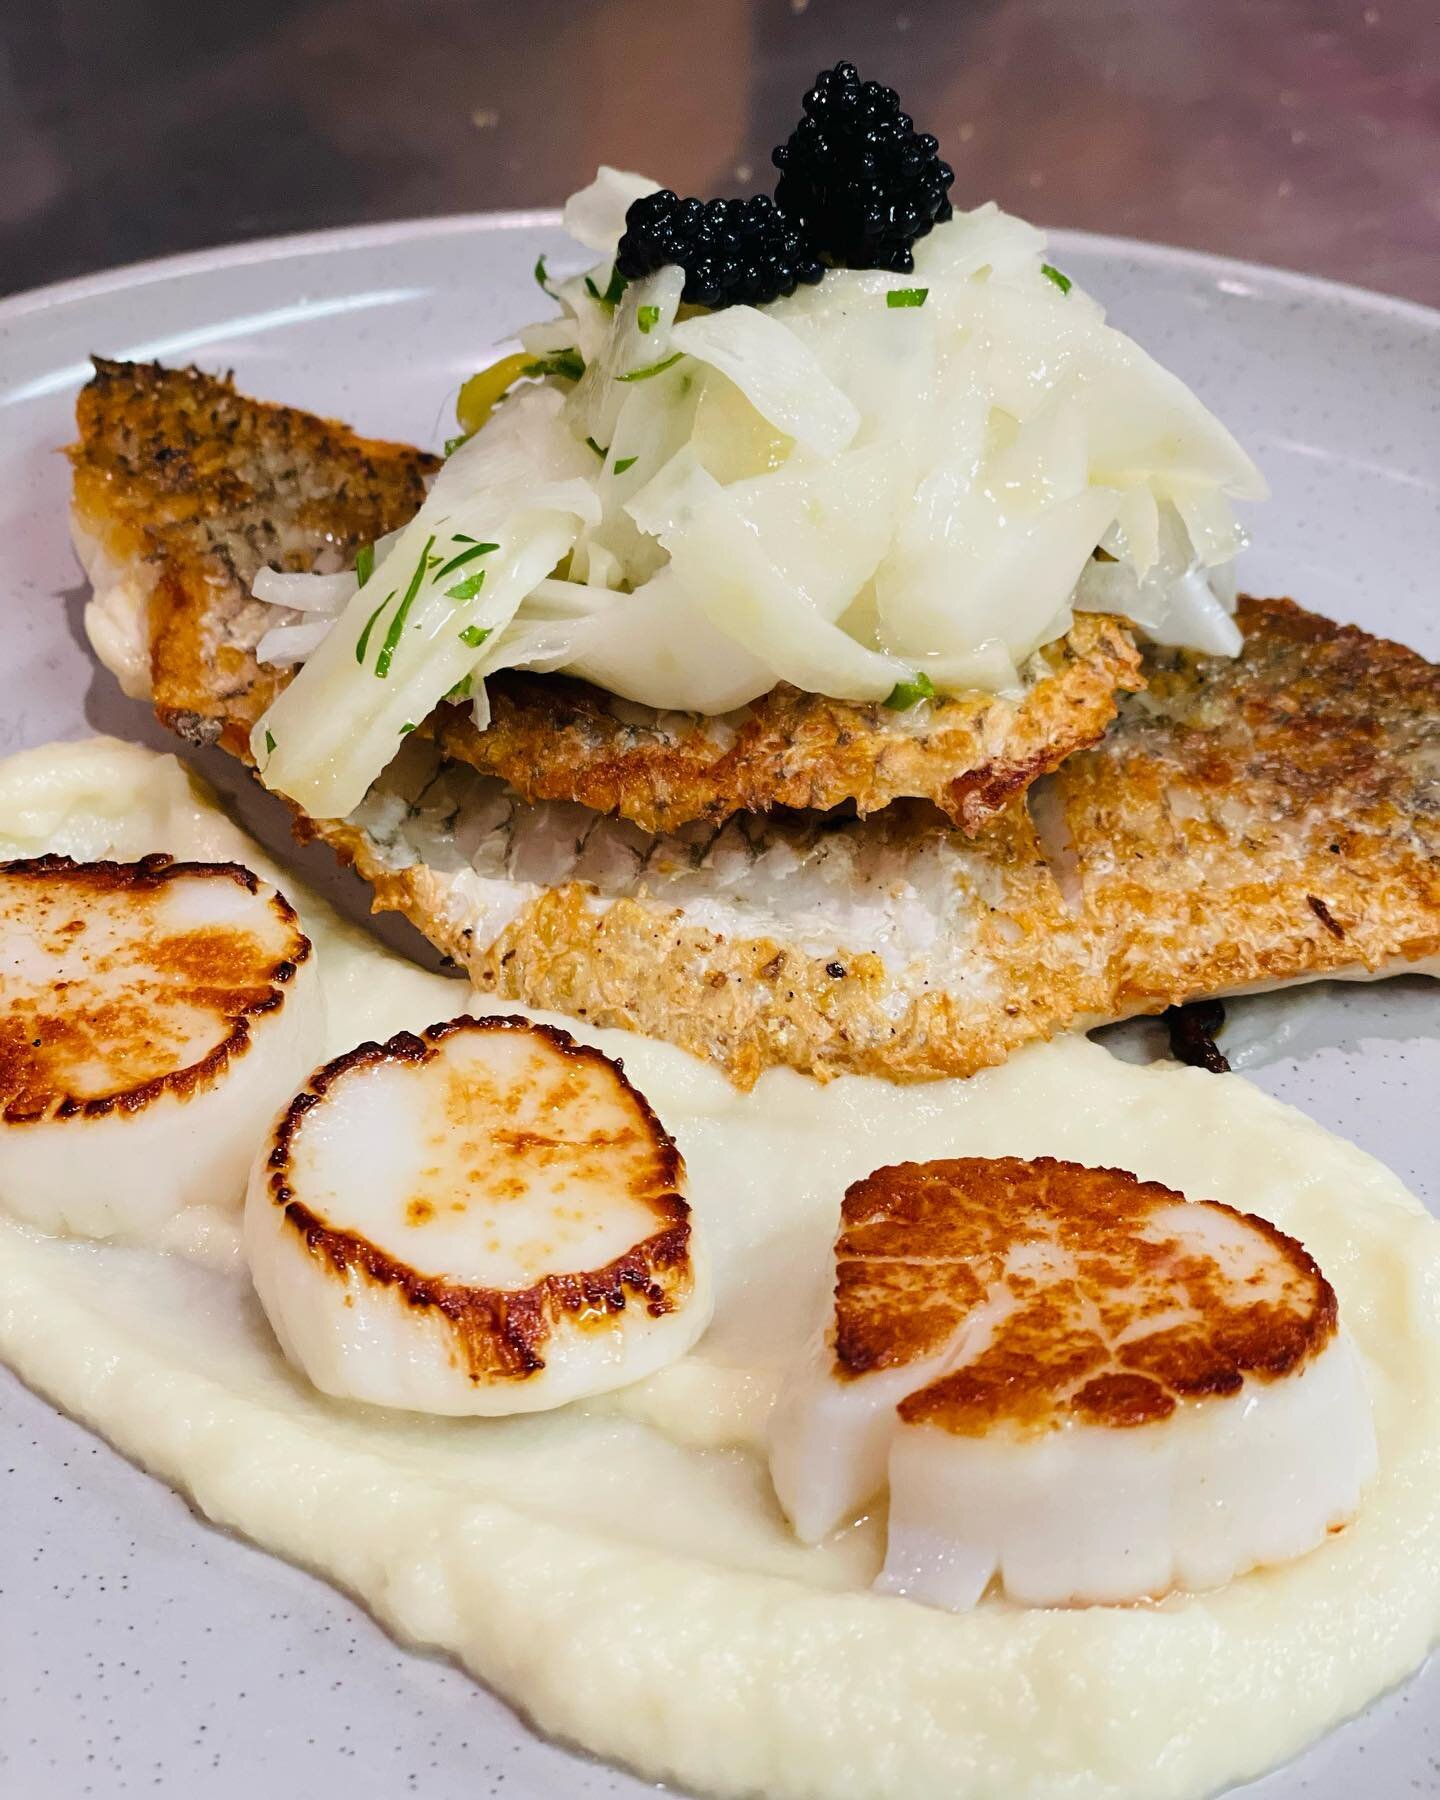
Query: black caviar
(733, 252)
(858, 185)
(857, 178)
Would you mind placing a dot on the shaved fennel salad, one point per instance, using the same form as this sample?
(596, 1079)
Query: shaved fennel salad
(881, 488)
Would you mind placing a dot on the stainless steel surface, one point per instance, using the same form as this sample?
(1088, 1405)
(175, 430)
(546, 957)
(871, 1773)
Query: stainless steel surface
(1298, 132)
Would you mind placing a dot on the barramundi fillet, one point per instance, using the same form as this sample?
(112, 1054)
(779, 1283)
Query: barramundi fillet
(1244, 823)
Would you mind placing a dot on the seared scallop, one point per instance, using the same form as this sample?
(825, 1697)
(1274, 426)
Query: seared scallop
(487, 1218)
(1077, 1385)
(153, 1018)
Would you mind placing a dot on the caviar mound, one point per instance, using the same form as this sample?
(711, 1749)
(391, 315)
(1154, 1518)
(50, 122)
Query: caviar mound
(733, 252)
(856, 178)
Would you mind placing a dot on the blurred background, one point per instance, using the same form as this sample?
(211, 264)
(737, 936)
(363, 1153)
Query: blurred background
(1300, 132)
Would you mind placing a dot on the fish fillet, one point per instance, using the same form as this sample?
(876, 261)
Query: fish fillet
(1243, 823)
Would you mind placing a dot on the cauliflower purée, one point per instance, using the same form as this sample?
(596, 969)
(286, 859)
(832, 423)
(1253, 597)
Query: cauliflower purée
(620, 1569)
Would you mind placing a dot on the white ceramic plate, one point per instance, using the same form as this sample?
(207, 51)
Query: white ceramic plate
(142, 1650)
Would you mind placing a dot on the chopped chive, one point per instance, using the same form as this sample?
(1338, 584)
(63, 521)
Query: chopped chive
(369, 627)
(625, 462)
(648, 318)
(1051, 273)
(614, 289)
(542, 274)
(402, 612)
(599, 449)
(465, 556)
(906, 296)
(910, 693)
(468, 588)
(269, 743)
(461, 537)
(652, 369)
(453, 444)
(568, 363)
(474, 636)
(461, 689)
(406, 728)
(364, 564)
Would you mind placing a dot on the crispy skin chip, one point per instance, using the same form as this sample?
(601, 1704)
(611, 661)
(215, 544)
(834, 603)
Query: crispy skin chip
(552, 739)
(1244, 823)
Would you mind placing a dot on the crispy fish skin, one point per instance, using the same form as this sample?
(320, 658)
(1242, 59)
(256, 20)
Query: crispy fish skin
(1252, 821)
(552, 739)
(1244, 823)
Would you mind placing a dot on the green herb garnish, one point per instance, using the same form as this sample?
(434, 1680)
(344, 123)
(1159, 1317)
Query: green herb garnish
(369, 627)
(648, 318)
(906, 296)
(569, 363)
(474, 636)
(610, 298)
(542, 274)
(1051, 273)
(461, 689)
(406, 728)
(599, 449)
(364, 564)
(906, 694)
(625, 462)
(402, 612)
(269, 743)
(465, 556)
(453, 444)
(652, 369)
(468, 588)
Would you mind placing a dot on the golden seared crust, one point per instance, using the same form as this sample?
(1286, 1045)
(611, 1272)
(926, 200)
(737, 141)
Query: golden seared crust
(503, 1333)
(553, 739)
(196, 487)
(109, 1002)
(1242, 823)
(1112, 1300)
